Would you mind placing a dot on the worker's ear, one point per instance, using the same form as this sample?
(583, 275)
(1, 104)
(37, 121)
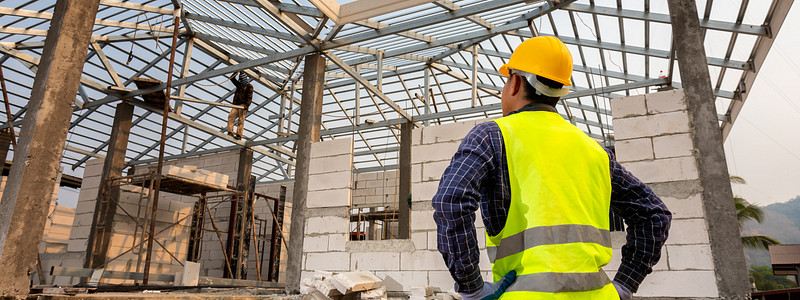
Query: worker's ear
(516, 84)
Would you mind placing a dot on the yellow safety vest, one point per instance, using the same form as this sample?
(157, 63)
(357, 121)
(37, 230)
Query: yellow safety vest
(557, 234)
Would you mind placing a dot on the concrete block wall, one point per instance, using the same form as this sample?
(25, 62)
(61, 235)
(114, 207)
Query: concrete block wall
(402, 264)
(654, 142)
(375, 189)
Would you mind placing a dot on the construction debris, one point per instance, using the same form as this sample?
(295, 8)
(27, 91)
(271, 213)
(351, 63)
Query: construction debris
(347, 285)
(423, 292)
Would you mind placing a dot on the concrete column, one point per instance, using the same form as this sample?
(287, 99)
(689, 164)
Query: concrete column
(726, 246)
(307, 133)
(105, 211)
(404, 191)
(44, 130)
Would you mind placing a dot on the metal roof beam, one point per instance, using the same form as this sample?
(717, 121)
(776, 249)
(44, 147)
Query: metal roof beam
(243, 27)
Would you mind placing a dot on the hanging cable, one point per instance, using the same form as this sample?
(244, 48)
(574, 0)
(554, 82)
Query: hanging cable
(130, 53)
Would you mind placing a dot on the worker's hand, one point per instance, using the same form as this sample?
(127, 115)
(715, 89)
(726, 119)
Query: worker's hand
(490, 290)
(624, 293)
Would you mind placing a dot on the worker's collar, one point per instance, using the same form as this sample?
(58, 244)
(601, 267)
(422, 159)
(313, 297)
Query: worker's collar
(536, 107)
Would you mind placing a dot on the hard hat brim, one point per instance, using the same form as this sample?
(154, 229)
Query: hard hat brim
(504, 70)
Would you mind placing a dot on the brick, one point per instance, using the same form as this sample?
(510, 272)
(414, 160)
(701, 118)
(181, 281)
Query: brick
(664, 170)
(666, 101)
(332, 148)
(424, 191)
(329, 261)
(403, 281)
(446, 133)
(688, 231)
(433, 171)
(315, 243)
(689, 257)
(337, 242)
(433, 152)
(422, 261)
(328, 198)
(433, 239)
(375, 261)
(326, 288)
(691, 207)
(634, 150)
(441, 280)
(689, 284)
(628, 107)
(327, 225)
(327, 181)
(355, 281)
(673, 145)
(651, 125)
(420, 240)
(331, 164)
(416, 173)
(416, 135)
(422, 220)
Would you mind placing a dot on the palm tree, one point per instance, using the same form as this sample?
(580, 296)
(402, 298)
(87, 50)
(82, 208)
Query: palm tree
(746, 211)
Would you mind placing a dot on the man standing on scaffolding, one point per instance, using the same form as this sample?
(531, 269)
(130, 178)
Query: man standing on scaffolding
(242, 97)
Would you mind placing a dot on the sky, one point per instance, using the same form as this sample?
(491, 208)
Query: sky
(763, 146)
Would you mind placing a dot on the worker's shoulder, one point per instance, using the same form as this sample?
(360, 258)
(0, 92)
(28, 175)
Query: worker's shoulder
(485, 128)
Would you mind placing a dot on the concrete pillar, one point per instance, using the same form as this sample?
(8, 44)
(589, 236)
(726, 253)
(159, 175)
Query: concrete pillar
(44, 131)
(732, 277)
(404, 193)
(307, 133)
(104, 211)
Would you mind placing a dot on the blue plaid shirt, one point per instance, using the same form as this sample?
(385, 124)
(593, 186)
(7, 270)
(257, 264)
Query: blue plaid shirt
(477, 177)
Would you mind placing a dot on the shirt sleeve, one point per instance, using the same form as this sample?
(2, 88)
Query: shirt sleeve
(647, 219)
(455, 203)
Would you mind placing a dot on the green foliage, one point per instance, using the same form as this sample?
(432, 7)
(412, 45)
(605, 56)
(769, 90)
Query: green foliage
(746, 211)
(765, 281)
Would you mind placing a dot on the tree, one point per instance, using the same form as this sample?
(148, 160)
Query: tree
(766, 281)
(746, 211)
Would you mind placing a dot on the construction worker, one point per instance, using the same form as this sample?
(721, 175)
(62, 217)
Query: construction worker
(545, 190)
(242, 96)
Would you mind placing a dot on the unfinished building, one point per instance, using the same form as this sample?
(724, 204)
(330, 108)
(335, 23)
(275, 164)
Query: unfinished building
(357, 110)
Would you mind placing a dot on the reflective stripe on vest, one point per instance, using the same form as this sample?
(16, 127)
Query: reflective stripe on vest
(556, 236)
(549, 235)
(559, 282)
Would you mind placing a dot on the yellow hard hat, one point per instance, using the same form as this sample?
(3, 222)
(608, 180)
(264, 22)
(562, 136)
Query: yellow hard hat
(545, 56)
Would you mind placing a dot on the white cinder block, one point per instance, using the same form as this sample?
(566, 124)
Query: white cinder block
(651, 125)
(416, 135)
(433, 238)
(663, 170)
(328, 181)
(327, 224)
(691, 207)
(332, 148)
(628, 107)
(422, 261)
(433, 152)
(688, 231)
(416, 173)
(634, 149)
(692, 284)
(690, 257)
(420, 240)
(484, 261)
(331, 164)
(616, 259)
(315, 243)
(403, 281)
(328, 198)
(424, 191)
(422, 220)
(666, 101)
(446, 133)
(441, 279)
(673, 145)
(337, 241)
(330, 261)
(433, 171)
(375, 261)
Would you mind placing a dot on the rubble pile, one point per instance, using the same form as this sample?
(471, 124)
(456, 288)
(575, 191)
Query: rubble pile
(361, 285)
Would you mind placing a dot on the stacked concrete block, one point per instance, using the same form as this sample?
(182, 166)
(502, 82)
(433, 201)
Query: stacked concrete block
(376, 189)
(654, 142)
(200, 175)
(401, 264)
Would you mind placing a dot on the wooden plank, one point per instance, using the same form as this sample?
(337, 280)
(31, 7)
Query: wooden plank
(215, 281)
